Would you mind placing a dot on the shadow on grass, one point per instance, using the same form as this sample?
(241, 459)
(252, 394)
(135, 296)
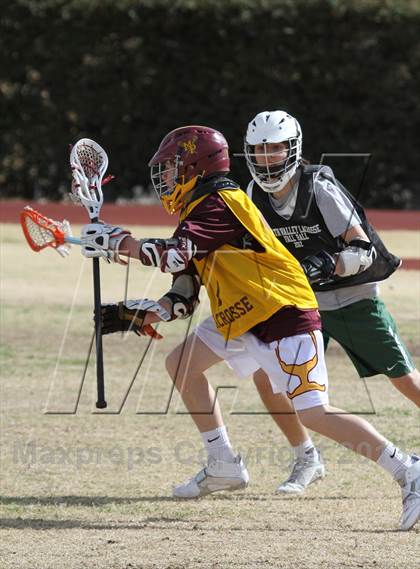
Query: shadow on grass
(41, 524)
(156, 524)
(89, 501)
(98, 501)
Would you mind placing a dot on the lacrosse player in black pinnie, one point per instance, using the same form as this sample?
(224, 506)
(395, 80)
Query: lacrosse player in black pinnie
(326, 229)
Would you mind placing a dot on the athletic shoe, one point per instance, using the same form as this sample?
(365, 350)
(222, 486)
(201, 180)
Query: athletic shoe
(305, 471)
(410, 489)
(215, 477)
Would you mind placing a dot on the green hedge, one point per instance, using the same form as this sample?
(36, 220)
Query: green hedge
(126, 72)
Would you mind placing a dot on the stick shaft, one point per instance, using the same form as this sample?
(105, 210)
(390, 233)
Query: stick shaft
(100, 403)
(73, 240)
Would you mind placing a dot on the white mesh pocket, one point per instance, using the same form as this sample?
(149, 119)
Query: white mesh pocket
(41, 236)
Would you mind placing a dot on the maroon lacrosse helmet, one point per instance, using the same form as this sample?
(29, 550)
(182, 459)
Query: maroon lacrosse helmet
(184, 155)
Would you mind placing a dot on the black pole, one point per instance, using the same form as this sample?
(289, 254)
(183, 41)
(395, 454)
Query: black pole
(100, 403)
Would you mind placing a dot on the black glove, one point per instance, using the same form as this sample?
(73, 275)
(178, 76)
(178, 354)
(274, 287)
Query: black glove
(318, 268)
(130, 315)
(119, 318)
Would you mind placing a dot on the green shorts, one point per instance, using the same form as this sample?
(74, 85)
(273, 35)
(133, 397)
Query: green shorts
(369, 335)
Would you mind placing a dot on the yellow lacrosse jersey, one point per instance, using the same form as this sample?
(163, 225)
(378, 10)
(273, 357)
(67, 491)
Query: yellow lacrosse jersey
(246, 287)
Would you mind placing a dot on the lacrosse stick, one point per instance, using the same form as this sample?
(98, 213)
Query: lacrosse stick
(42, 232)
(88, 163)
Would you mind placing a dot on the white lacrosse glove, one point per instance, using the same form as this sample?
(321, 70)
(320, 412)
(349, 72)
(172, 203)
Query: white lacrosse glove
(103, 240)
(64, 250)
(355, 258)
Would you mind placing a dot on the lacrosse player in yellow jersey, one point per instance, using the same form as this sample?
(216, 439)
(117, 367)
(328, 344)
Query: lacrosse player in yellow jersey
(259, 297)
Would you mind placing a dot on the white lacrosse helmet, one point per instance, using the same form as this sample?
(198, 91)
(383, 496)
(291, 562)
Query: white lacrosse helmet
(273, 127)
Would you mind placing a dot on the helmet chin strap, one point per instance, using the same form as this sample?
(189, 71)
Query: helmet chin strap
(189, 185)
(285, 179)
(175, 200)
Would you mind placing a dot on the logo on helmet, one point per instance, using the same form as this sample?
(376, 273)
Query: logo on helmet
(189, 145)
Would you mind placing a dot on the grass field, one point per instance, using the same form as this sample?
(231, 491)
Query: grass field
(80, 490)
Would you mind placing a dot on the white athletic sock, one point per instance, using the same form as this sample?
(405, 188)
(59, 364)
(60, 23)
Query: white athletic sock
(218, 445)
(394, 461)
(302, 450)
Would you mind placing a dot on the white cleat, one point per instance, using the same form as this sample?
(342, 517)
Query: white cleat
(305, 471)
(411, 496)
(217, 476)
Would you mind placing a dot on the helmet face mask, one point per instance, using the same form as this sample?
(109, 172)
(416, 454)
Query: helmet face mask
(273, 149)
(184, 155)
(164, 176)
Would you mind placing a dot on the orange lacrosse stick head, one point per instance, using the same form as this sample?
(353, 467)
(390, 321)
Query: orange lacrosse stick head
(40, 231)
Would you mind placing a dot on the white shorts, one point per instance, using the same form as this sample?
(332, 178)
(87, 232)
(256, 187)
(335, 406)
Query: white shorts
(295, 365)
